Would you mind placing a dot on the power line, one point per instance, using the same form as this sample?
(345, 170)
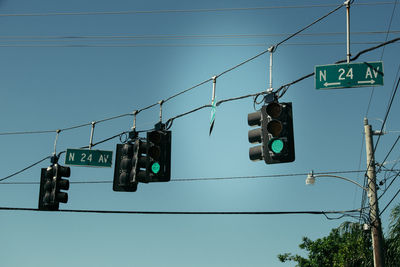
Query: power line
(383, 51)
(387, 188)
(205, 10)
(67, 128)
(24, 169)
(387, 155)
(178, 36)
(188, 212)
(138, 45)
(398, 191)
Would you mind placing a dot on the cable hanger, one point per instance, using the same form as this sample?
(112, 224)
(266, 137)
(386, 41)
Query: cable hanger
(91, 134)
(271, 50)
(54, 157)
(161, 102)
(347, 3)
(213, 105)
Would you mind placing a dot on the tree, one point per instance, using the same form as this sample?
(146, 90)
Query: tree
(337, 249)
(392, 256)
(349, 245)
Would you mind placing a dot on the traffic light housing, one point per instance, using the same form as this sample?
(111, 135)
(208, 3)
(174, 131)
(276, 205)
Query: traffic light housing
(275, 135)
(51, 184)
(124, 177)
(158, 156)
(143, 161)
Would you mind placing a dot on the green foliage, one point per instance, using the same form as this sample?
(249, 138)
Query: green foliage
(348, 246)
(393, 239)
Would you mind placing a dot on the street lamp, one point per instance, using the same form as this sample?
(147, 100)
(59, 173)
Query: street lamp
(311, 179)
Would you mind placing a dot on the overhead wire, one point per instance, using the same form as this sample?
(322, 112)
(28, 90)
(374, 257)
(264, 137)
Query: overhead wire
(136, 45)
(130, 12)
(185, 212)
(176, 36)
(383, 51)
(390, 202)
(26, 168)
(65, 129)
(387, 155)
(387, 188)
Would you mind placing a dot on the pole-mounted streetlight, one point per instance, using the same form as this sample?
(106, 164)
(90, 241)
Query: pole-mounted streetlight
(311, 179)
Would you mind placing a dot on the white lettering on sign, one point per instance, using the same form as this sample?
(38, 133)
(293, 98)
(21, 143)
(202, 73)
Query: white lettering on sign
(103, 158)
(85, 158)
(322, 75)
(342, 72)
(350, 73)
(71, 156)
(369, 73)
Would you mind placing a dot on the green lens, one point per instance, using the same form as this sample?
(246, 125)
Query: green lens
(276, 145)
(155, 167)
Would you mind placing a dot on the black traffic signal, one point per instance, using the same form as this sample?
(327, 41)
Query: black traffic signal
(124, 177)
(143, 161)
(275, 134)
(51, 184)
(158, 156)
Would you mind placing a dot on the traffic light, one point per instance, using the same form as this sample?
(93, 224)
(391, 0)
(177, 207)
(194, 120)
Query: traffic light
(124, 177)
(143, 161)
(158, 154)
(275, 134)
(51, 184)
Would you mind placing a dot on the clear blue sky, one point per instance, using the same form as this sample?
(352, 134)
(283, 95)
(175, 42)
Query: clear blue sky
(51, 81)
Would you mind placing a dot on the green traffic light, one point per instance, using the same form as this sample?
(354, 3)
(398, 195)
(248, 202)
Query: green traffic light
(155, 167)
(276, 145)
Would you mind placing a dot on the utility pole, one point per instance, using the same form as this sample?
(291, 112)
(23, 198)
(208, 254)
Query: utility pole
(376, 228)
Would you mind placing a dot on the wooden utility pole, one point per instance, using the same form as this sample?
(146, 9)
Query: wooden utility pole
(376, 228)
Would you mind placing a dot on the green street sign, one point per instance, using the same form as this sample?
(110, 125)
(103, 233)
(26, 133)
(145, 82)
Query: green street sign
(348, 75)
(88, 158)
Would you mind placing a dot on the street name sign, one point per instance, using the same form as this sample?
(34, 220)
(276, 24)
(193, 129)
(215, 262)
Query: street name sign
(88, 157)
(348, 75)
